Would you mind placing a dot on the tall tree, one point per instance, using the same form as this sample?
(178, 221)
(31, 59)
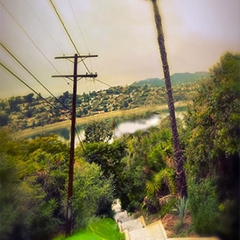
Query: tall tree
(213, 151)
(178, 155)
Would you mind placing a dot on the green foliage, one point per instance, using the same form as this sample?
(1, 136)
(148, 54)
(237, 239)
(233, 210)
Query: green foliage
(33, 180)
(105, 228)
(165, 178)
(32, 175)
(167, 208)
(146, 168)
(29, 112)
(93, 193)
(97, 230)
(7, 195)
(203, 202)
(131, 195)
(98, 132)
(177, 78)
(165, 123)
(29, 98)
(41, 223)
(4, 119)
(212, 150)
(107, 156)
(182, 205)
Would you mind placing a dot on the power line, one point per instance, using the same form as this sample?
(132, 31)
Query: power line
(48, 35)
(103, 82)
(100, 82)
(31, 39)
(36, 92)
(35, 78)
(31, 88)
(29, 71)
(78, 25)
(59, 17)
(79, 28)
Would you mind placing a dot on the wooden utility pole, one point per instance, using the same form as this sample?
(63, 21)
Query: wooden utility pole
(75, 77)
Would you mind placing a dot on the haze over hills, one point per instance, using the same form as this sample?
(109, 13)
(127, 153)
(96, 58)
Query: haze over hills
(177, 78)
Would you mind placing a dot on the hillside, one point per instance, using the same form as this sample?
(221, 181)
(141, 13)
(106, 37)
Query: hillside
(176, 79)
(30, 111)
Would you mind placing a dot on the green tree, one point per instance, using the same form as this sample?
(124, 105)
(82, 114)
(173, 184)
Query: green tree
(14, 104)
(212, 150)
(149, 168)
(29, 98)
(32, 179)
(98, 131)
(107, 156)
(4, 119)
(93, 193)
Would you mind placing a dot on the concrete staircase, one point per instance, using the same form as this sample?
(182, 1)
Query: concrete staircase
(136, 229)
(154, 231)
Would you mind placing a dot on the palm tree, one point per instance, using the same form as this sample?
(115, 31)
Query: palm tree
(178, 155)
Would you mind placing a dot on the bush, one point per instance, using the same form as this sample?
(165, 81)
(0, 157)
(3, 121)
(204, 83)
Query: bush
(167, 208)
(204, 206)
(42, 224)
(212, 151)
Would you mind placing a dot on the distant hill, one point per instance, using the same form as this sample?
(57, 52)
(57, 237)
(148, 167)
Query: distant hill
(177, 78)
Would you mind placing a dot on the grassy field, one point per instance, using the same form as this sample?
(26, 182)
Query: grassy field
(84, 120)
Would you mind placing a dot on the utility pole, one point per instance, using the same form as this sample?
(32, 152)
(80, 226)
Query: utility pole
(75, 77)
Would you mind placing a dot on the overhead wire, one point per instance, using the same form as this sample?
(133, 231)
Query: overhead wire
(35, 78)
(79, 28)
(31, 73)
(40, 97)
(49, 36)
(68, 34)
(59, 17)
(65, 28)
(103, 82)
(30, 87)
(31, 39)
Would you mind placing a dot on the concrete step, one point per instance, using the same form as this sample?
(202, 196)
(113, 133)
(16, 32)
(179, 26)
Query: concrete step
(126, 219)
(120, 215)
(151, 232)
(131, 225)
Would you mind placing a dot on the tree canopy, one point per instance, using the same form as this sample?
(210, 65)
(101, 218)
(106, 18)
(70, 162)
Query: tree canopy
(98, 131)
(212, 150)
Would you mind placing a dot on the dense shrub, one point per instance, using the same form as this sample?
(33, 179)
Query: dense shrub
(204, 206)
(212, 151)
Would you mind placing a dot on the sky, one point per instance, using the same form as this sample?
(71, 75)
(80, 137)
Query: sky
(123, 35)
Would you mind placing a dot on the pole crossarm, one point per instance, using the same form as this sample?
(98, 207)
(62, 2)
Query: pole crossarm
(78, 56)
(77, 76)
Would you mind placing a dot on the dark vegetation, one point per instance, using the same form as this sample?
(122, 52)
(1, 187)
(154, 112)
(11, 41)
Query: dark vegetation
(137, 168)
(176, 79)
(212, 151)
(31, 111)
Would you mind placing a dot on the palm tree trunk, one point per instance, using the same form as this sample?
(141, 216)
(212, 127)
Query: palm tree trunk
(178, 155)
